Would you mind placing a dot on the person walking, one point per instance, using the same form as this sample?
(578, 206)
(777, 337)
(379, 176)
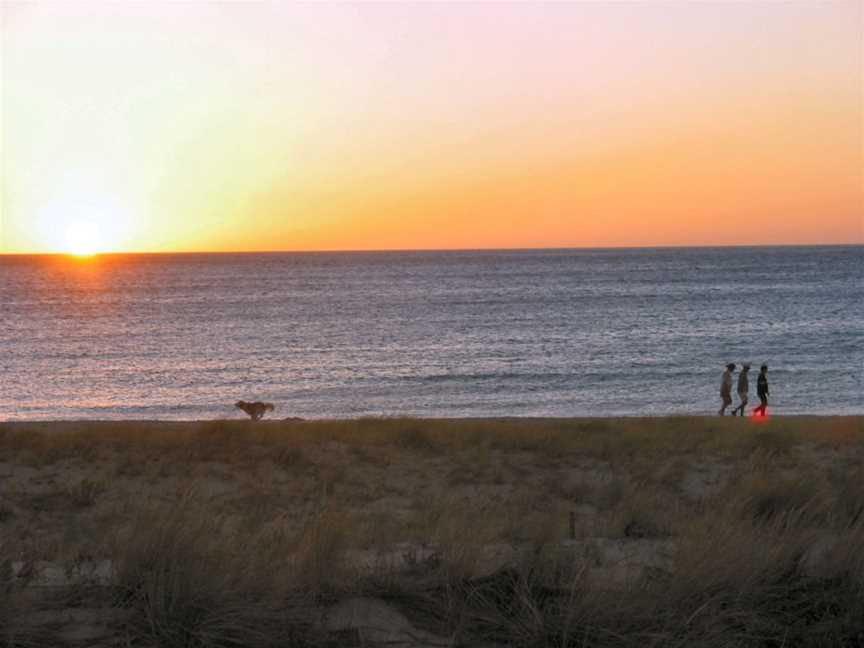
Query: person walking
(762, 391)
(726, 388)
(743, 389)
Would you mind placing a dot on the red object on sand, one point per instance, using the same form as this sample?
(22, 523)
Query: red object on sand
(760, 418)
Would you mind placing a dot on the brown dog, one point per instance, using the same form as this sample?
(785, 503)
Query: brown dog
(256, 410)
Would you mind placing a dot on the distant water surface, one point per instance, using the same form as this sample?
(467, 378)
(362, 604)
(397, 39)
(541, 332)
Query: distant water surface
(499, 333)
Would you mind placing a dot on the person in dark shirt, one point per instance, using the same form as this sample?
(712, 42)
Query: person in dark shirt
(762, 391)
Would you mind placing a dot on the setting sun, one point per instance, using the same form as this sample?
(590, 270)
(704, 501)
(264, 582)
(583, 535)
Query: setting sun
(81, 220)
(82, 239)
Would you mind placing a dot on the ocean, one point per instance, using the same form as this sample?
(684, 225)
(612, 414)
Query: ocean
(432, 334)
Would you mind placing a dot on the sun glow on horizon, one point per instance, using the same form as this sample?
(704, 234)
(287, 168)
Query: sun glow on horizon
(82, 222)
(82, 239)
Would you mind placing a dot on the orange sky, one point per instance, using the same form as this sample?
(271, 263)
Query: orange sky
(192, 126)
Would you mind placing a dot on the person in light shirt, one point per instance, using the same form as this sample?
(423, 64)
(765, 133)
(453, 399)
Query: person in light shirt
(743, 390)
(726, 388)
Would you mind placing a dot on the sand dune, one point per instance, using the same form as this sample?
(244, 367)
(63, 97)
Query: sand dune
(501, 531)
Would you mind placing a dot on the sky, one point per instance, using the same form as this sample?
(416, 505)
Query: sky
(235, 126)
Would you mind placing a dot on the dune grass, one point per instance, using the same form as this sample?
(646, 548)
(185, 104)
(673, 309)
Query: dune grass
(601, 532)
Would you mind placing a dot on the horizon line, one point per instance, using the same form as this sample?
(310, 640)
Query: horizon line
(436, 250)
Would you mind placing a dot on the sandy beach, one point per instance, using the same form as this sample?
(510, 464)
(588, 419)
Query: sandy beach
(433, 532)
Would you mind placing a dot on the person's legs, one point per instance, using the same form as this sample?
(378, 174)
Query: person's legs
(760, 411)
(727, 401)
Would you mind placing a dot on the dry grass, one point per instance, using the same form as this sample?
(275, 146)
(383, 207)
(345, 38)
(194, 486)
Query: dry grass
(239, 534)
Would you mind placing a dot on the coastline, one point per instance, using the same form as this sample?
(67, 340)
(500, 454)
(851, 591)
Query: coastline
(430, 419)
